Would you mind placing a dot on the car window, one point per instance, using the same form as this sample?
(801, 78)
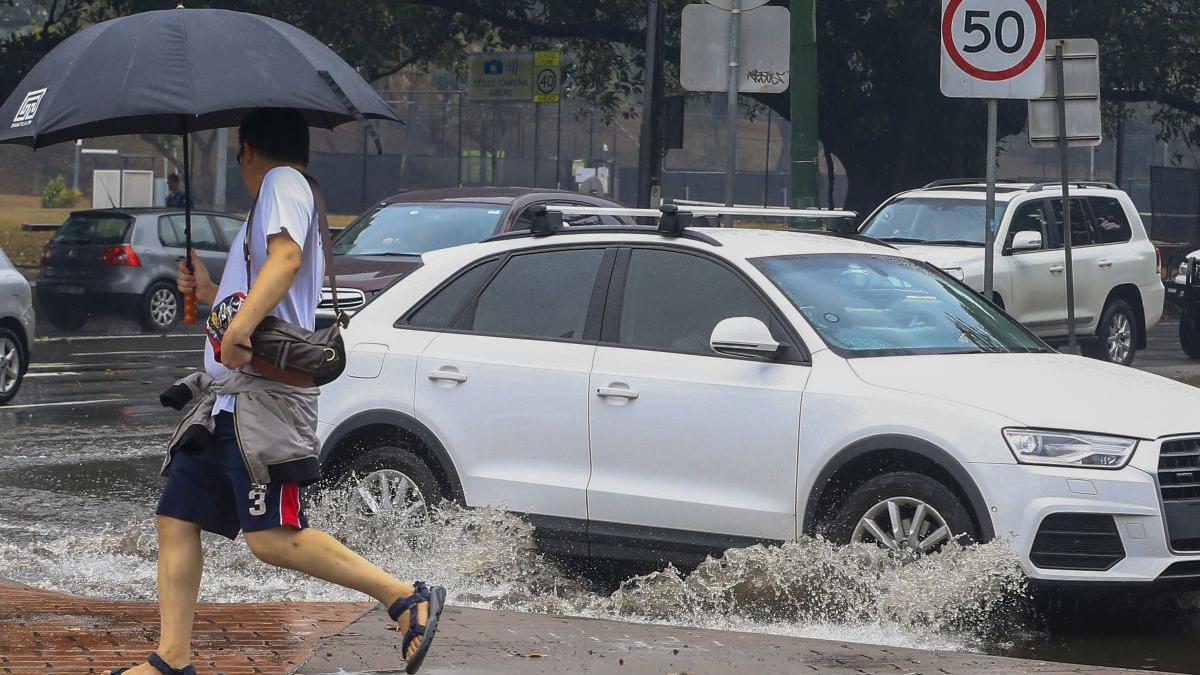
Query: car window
(874, 305)
(931, 220)
(538, 295)
(413, 229)
(442, 309)
(1111, 223)
(673, 300)
(229, 226)
(171, 233)
(1081, 233)
(89, 228)
(1029, 217)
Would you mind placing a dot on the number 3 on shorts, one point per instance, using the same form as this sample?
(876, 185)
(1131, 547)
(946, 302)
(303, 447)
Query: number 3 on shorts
(258, 498)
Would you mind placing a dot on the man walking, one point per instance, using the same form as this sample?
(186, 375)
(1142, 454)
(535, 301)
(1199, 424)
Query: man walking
(218, 478)
(176, 197)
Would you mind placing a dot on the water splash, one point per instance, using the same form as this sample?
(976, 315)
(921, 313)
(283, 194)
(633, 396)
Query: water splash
(961, 598)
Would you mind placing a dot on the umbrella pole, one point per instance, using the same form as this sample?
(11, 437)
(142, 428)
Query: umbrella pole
(189, 298)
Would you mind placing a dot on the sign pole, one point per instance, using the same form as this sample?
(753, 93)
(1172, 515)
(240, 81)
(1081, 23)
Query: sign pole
(537, 146)
(731, 104)
(989, 246)
(1060, 77)
(805, 177)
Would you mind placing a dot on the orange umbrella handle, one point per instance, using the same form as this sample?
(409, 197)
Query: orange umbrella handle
(189, 308)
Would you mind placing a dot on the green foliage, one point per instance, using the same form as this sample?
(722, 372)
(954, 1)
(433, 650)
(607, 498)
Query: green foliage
(58, 196)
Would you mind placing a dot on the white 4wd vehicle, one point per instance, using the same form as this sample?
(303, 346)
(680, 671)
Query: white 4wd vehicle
(1118, 285)
(652, 397)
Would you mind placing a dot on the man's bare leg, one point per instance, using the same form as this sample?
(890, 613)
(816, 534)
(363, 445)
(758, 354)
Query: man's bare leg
(180, 563)
(319, 555)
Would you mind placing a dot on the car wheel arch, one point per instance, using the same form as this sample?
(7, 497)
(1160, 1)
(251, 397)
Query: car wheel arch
(873, 456)
(19, 330)
(381, 423)
(1132, 296)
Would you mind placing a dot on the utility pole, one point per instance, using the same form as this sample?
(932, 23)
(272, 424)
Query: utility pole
(805, 146)
(648, 150)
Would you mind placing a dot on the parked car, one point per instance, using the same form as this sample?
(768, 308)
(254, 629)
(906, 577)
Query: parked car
(653, 397)
(124, 261)
(16, 329)
(1184, 289)
(1118, 286)
(387, 241)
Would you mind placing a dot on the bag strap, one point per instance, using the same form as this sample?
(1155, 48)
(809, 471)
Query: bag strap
(326, 244)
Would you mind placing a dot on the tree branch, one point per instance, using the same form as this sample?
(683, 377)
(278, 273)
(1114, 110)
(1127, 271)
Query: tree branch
(590, 29)
(1143, 96)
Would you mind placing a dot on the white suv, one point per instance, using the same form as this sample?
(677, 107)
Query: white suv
(1118, 286)
(653, 397)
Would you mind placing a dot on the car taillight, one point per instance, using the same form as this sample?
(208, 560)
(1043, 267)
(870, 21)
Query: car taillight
(120, 256)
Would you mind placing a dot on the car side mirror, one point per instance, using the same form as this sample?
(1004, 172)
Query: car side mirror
(1026, 241)
(744, 336)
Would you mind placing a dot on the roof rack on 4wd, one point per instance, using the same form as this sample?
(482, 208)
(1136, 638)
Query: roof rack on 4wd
(673, 219)
(1104, 185)
(945, 182)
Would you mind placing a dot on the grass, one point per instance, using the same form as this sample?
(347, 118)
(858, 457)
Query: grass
(25, 248)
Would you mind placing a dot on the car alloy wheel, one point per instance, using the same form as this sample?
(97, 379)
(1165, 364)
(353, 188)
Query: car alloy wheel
(1120, 338)
(163, 307)
(903, 525)
(386, 492)
(10, 365)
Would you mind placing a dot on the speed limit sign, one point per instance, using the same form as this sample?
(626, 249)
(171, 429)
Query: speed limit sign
(993, 48)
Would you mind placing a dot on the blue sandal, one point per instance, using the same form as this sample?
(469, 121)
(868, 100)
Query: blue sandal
(436, 597)
(161, 666)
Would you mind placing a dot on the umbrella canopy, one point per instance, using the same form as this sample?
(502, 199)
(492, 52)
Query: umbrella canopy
(181, 70)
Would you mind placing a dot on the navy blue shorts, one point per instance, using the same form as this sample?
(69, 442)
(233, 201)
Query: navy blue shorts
(213, 489)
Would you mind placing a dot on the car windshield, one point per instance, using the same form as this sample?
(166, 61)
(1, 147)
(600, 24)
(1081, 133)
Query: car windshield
(92, 229)
(413, 229)
(917, 220)
(874, 305)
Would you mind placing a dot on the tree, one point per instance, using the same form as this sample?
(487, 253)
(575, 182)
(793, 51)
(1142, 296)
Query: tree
(880, 109)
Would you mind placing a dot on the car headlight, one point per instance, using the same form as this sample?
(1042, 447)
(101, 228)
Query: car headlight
(1069, 448)
(957, 273)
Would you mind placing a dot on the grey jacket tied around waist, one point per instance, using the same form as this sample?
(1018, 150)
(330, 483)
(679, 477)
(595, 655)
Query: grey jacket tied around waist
(275, 423)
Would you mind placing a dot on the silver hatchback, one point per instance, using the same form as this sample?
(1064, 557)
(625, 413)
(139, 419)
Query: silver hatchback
(16, 329)
(123, 261)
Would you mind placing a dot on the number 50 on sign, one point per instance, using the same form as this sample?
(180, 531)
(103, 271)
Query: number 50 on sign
(993, 48)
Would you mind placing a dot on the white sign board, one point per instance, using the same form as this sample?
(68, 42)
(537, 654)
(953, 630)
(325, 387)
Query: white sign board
(113, 188)
(1081, 75)
(993, 48)
(764, 50)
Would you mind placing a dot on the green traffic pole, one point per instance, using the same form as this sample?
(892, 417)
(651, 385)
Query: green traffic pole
(805, 147)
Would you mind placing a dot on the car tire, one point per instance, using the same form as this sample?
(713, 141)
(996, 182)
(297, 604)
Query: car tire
(1189, 333)
(161, 307)
(909, 492)
(14, 361)
(1117, 334)
(397, 468)
(67, 317)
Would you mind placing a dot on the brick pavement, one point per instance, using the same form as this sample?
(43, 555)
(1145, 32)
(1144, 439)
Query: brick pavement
(48, 632)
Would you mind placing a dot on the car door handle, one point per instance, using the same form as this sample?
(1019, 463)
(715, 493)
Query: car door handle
(617, 392)
(1057, 269)
(1106, 263)
(444, 375)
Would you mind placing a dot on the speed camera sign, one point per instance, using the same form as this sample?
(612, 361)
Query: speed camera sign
(993, 48)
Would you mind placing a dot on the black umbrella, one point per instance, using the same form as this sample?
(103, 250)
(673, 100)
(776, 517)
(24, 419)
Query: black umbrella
(178, 71)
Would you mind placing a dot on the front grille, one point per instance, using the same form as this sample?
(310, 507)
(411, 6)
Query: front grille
(1077, 541)
(348, 298)
(1179, 484)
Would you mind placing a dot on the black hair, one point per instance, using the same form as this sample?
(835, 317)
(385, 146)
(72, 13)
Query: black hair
(280, 134)
(173, 177)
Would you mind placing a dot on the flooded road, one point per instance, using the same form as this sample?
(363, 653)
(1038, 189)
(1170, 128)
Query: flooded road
(79, 459)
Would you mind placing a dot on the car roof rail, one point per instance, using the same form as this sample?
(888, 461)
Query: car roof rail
(673, 219)
(1103, 185)
(946, 182)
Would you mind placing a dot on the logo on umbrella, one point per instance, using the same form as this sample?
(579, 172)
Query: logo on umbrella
(29, 108)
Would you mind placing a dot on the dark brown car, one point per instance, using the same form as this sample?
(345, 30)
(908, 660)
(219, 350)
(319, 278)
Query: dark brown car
(387, 241)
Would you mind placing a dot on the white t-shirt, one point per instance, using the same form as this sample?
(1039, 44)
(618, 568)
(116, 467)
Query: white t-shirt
(285, 203)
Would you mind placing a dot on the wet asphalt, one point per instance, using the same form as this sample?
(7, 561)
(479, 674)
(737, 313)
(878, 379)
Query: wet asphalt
(81, 445)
